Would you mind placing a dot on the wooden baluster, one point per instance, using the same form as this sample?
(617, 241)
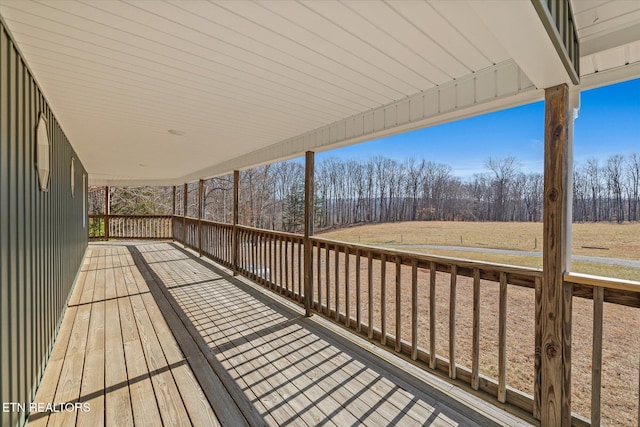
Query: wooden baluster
(234, 242)
(370, 289)
(254, 254)
(383, 299)
(502, 340)
(272, 270)
(537, 364)
(327, 277)
(286, 266)
(358, 294)
(475, 351)
(414, 309)
(347, 287)
(337, 280)
(293, 269)
(432, 315)
(596, 357)
(398, 346)
(279, 260)
(319, 272)
(265, 260)
(185, 199)
(300, 268)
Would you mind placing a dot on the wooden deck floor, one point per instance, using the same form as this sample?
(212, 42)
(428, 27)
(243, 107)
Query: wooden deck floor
(155, 336)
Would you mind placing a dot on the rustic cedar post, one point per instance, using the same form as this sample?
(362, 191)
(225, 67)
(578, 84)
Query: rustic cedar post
(185, 196)
(554, 370)
(200, 207)
(173, 212)
(308, 231)
(107, 211)
(174, 201)
(234, 242)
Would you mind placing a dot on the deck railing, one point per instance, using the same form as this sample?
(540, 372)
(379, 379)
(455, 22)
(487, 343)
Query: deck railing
(620, 293)
(104, 227)
(409, 303)
(446, 314)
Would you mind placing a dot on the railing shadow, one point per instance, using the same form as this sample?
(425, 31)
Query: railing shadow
(299, 364)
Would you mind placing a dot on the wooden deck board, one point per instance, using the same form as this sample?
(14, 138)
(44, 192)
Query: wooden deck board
(110, 354)
(118, 409)
(68, 389)
(146, 321)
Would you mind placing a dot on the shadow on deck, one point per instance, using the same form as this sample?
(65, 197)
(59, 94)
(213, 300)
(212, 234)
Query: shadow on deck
(146, 320)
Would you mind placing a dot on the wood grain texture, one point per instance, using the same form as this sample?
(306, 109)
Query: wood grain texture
(347, 291)
(358, 294)
(555, 351)
(370, 290)
(116, 354)
(596, 356)
(475, 343)
(383, 300)
(236, 199)
(432, 315)
(502, 340)
(414, 310)
(336, 279)
(537, 365)
(327, 276)
(398, 298)
(452, 322)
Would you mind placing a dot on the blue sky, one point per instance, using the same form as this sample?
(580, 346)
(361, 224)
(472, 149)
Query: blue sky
(609, 123)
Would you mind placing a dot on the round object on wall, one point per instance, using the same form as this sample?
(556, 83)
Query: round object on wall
(43, 162)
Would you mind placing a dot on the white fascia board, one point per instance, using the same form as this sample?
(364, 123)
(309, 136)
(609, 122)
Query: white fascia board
(517, 26)
(609, 77)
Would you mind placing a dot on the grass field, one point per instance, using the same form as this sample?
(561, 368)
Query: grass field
(621, 342)
(607, 240)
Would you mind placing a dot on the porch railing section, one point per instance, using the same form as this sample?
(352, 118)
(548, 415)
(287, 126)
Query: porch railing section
(104, 227)
(446, 314)
(410, 303)
(273, 259)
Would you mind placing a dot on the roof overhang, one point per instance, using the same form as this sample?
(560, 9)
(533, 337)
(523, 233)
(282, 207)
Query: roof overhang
(245, 83)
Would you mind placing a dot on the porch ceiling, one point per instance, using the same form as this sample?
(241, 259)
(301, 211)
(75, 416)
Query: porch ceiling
(252, 82)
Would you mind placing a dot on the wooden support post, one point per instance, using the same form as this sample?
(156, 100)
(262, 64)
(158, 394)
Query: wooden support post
(308, 232)
(107, 211)
(555, 298)
(185, 197)
(173, 210)
(200, 211)
(236, 200)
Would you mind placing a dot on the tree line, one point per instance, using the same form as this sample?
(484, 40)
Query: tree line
(381, 189)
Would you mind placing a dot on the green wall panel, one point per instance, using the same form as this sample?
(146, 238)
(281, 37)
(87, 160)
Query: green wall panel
(42, 235)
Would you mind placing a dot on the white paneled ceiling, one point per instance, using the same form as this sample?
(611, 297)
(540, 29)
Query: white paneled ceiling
(246, 82)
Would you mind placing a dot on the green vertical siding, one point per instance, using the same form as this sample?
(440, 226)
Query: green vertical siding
(42, 237)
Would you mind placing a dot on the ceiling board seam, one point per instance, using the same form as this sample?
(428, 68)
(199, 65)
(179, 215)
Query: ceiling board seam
(356, 83)
(353, 53)
(235, 69)
(218, 92)
(373, 47)
(430, 38)
(407, 46)
(207, 77)
(249, 52)
(435, 9)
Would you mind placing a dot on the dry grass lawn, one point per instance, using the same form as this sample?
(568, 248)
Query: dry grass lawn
(621, 346)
